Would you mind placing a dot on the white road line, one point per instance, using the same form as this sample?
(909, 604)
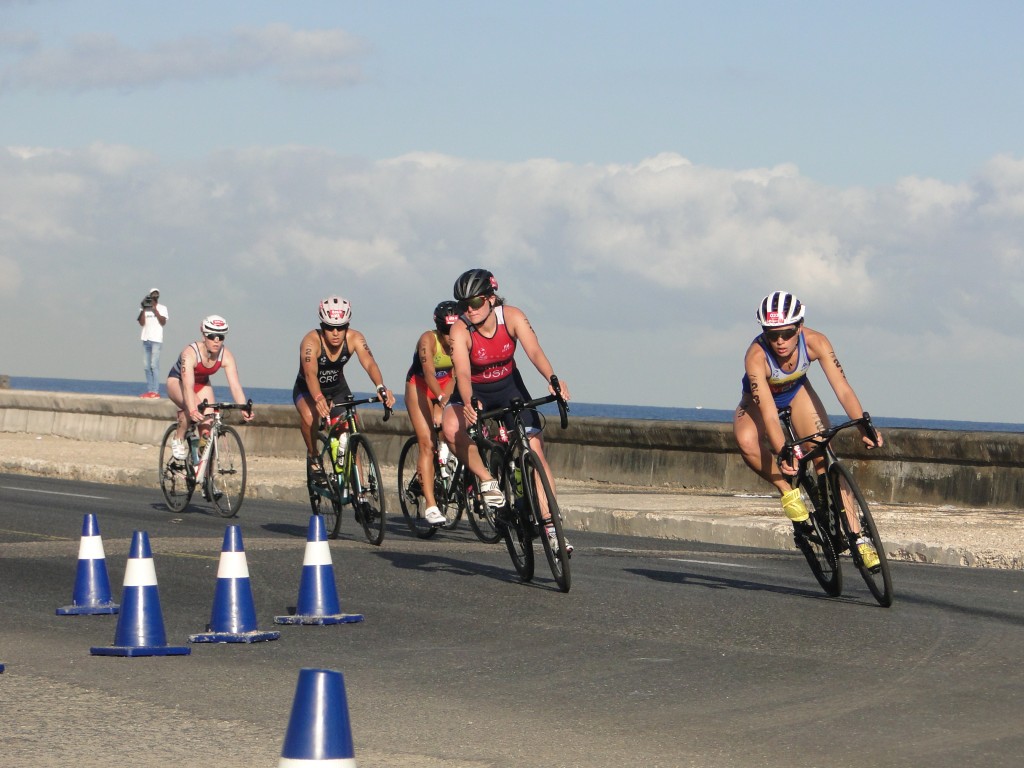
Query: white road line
(709, 562)
(52, 493)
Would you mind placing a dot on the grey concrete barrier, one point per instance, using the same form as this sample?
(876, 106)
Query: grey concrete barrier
(975, 469)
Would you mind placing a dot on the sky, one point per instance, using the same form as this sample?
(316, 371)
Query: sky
(636, 174)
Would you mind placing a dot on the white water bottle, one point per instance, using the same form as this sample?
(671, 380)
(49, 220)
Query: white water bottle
(338, 446)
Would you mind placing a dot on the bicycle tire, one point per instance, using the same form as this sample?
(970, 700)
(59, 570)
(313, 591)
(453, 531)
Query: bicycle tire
(450, 496)
(818, 548)
(326, 501)
(366, 488)
(481, 516)
(177, 478)
(535, 482)
(227, 472)
(410, 490)
(516, 526)
(879, 580)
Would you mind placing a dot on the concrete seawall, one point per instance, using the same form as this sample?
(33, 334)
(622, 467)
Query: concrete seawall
(916, 466)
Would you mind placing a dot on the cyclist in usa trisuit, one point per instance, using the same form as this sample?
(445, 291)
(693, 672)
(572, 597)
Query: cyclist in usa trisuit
(188, 382)
(428, 389)
(776, 366)
(483, 348)
(321, 378)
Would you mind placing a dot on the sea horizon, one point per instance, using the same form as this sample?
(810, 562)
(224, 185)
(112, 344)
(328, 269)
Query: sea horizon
(280, 396)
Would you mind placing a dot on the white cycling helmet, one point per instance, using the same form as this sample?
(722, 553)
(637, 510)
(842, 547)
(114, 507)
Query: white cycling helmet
(214, 324)
(335, 312)
(779, 308)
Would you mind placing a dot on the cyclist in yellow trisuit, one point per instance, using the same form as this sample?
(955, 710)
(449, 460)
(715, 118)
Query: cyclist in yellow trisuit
(776, 365)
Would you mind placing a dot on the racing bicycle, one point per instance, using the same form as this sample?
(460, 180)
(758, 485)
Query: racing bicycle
(349, 472)
(834, 499)
(530, 502)
(214, 462)
(454, 491)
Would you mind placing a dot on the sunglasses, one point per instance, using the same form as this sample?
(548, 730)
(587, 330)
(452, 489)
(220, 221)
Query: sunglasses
(335, 328)
(214, 336)
(785, 335)
(474, 302)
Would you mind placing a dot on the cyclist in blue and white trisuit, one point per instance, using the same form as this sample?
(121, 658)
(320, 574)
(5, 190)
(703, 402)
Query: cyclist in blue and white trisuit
(776, 365)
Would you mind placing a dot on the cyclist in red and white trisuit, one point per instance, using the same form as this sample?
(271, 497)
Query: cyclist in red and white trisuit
(775, 366)
(188, 382)
(483, 351)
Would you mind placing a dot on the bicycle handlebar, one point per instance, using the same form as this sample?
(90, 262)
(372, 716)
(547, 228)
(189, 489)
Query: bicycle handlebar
(518, 406)
(348, 403)
(207, 405)
(824, 437)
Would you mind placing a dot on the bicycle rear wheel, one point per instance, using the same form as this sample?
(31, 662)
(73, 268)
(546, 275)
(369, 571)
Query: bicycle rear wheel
(325, 499)
(177, 477)
(227, 472)
(877, 578)
(516, 526)
(410, 490)
(481, 516)
(367, 488)
(817, 547)
(542, 499)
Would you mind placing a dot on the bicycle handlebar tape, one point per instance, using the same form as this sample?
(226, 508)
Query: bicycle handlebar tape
(319, 730)
(92, 585)
(318, 592)
(140, 624)
(233, 618)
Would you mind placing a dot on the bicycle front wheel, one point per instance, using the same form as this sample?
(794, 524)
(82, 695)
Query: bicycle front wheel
(227, 472)
(481, 517)
(410, 490)
(513, 520)
(177, 480)
(817, 547)
(367, 488)
(876, 577)
(542, 500)
(325, 497)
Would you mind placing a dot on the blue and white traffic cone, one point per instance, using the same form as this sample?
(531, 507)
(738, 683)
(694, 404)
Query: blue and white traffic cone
(319, 731)
(140, 625)
(92, 586)
(233, 619)
(318, 594)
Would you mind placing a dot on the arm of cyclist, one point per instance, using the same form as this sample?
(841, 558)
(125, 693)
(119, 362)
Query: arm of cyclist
(821, 349)
(519, 327)
(309, 349)
(460, 360)
(237, 393)
(188, 385)
(358, 342)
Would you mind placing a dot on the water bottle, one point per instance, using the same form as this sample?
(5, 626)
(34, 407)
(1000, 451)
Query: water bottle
(193, 443)
(338, 446)
(517, 480)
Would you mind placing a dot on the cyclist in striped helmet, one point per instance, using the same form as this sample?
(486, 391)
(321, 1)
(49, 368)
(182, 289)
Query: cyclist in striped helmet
(776, 365)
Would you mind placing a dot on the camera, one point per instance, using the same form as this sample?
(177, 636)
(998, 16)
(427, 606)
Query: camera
(148, 302)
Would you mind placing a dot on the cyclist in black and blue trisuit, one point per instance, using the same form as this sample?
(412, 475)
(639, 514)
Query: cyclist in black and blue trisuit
(775, 376)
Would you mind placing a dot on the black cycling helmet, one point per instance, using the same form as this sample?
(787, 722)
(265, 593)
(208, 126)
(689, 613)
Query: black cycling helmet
(475, 282)
(445, 315)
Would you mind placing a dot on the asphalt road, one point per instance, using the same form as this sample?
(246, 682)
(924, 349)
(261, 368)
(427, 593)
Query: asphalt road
(663, 654)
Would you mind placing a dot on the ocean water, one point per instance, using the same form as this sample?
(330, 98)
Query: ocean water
(273, 396)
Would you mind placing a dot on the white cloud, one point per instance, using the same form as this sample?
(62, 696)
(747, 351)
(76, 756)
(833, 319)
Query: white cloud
(323, 58)
(653, 268)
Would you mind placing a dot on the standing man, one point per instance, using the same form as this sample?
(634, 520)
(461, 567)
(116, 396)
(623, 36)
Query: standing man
(152, 318)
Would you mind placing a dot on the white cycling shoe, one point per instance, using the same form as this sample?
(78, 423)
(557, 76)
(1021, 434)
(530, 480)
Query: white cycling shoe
(433, 516)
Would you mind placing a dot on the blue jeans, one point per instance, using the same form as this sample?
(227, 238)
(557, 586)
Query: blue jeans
(151, 364)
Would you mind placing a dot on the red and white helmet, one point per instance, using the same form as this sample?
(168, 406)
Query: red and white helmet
(779, 308)
(214, 324)
(335, 312)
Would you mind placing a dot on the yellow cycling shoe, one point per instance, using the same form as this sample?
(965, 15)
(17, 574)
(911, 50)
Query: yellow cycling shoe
(794, 506)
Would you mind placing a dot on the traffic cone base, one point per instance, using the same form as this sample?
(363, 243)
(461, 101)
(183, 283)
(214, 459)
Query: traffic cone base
(140, 625)
(233, 619)
(92, 587)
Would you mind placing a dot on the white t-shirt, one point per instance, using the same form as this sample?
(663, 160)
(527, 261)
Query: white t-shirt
(152, 330)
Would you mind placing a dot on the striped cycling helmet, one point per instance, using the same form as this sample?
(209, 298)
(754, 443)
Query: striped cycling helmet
(779, 308)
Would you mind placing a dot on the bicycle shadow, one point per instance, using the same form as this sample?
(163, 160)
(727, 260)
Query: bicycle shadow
(720, 582)
(432, 563)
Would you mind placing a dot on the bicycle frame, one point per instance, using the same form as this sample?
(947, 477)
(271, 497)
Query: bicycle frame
(202, 467)
(347, 422)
